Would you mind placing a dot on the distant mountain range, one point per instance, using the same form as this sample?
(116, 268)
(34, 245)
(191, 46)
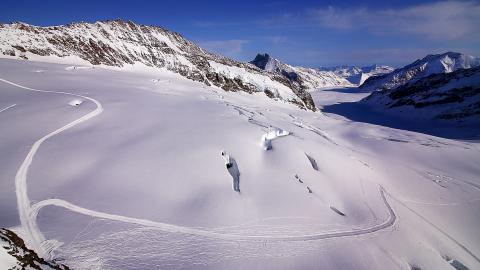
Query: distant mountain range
(444, 86)
(314, 78)
(431, 64)
(119, 43)
(357, 75)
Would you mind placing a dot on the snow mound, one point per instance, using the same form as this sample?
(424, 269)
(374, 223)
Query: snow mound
(77, 67)
(75, 102)
(271, 135)
(160, 81)
(232, 169)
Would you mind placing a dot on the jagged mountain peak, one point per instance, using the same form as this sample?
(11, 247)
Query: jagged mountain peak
(268, 63)
(305, 78)
(262, 57)
(261, 60)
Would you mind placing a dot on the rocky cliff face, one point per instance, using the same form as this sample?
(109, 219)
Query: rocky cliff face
(451, 96)
(15, 255)
(120, 43)
(431, 64)
(270, 64)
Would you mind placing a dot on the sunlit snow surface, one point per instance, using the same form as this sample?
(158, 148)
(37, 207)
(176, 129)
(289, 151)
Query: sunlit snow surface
(7, 261)
(143, 185)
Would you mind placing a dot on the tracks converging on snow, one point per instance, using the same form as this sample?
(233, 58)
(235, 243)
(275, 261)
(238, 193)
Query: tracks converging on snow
(28, 213)
(8, 107)
(23, 202)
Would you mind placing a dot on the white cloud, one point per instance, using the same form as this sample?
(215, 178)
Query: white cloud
(447, 20)
(231, 47)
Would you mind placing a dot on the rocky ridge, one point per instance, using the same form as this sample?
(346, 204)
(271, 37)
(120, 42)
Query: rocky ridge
(120, 43)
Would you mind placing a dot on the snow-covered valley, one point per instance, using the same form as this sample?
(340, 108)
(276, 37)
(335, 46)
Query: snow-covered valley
(123, 169)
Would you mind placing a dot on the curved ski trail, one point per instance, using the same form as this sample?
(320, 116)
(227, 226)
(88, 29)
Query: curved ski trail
(29, 225)
(28, 213)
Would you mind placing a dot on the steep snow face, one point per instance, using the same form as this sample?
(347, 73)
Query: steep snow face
(358, 75)
(305, 78)
(448, 96)
(314, 78)
(265, 84)
(120, 44)
(431, 64)
(371, 71)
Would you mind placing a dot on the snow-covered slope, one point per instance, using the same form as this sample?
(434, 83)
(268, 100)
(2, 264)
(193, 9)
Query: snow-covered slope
(358, 75)
(307, 78)
(313, 78)
(453, 96)
(431, 64)
(108, 169)
(119, 43)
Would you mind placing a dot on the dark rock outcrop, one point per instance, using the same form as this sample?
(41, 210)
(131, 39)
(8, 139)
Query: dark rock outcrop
(453, 96)
(26, 258)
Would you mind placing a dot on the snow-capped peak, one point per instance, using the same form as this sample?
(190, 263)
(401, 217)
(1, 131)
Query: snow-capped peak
(449, 62)
(265, 62)
(430, 64)
(448, 96)
(306, 78)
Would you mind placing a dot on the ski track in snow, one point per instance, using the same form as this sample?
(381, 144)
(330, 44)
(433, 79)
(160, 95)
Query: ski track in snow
(463, 247)
(29, 225)
(8, 107)
(28, 213)
(193, 231)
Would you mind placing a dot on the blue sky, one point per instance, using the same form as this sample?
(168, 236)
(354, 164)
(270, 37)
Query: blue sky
(309, 33)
